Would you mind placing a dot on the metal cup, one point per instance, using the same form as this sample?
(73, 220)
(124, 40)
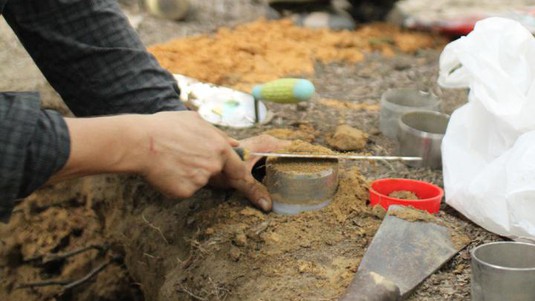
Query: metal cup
(503, 271)
(395, 102)
(420, 134)
(296, 190)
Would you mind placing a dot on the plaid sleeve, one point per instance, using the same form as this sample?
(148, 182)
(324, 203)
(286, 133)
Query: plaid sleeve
(92, 56)
(34, 144)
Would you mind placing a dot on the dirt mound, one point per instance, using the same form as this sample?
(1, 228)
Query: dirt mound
(347, 138)
(264, 50)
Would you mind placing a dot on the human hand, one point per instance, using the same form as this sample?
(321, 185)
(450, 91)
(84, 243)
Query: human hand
(183, 152)
(254, 190)
(176, 152)
(208, 157)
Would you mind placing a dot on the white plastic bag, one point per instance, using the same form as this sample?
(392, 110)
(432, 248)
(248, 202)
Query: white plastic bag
(488, 151)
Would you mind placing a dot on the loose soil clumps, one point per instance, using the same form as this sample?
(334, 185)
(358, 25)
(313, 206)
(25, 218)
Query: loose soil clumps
(347, 138)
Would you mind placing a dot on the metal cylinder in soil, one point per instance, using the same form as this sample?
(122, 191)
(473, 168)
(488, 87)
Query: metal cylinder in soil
(503, 270)
(420, 134)
(298, 185)
(396, 102)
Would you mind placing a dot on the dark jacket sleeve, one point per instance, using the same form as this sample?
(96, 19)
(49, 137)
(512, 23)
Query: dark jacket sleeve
(34, 144)
(92, 56)
(89, 53)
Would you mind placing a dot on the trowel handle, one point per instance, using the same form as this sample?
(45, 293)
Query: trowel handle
(371, 287)
(284, 90)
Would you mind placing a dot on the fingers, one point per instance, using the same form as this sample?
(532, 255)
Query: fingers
(233, 142)
(254, 191)
(184, 188)
(244, 182)
(234, 167)
(262, 143)
(239, 177)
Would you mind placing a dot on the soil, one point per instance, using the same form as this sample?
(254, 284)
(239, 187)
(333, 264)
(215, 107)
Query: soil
(302, 147)
(301, 166)
(215, 246)
(404, 195)
(303, 131)
(35, 244)
(347, 138)
(264, 50)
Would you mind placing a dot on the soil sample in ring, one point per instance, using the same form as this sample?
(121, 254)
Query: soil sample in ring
(297, 184)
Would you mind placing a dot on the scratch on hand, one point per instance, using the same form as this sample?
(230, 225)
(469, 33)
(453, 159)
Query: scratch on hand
(152, 148)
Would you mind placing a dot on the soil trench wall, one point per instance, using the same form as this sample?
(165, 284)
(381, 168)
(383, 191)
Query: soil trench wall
(215, 246)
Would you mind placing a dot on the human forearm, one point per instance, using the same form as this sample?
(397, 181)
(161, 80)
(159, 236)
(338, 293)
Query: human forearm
(102, 145)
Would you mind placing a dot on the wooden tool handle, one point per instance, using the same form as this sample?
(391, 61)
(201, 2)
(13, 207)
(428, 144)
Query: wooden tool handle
(371, 287)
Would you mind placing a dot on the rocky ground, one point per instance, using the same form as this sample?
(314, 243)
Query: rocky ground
(214, 246)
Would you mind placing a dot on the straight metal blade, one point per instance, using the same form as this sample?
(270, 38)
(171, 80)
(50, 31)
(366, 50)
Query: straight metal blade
(323, 156)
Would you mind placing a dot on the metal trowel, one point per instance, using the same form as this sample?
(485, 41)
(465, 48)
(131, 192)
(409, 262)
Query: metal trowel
(409, 246)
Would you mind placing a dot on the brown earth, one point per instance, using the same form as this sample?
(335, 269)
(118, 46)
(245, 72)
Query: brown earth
(215, 246)
(403, 194)
(264, 50)
(35, 247)
(347, 138)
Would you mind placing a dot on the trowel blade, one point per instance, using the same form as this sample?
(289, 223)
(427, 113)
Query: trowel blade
(408, 247)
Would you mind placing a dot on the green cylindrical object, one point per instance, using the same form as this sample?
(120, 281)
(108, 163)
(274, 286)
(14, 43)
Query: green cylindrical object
(284, 90)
